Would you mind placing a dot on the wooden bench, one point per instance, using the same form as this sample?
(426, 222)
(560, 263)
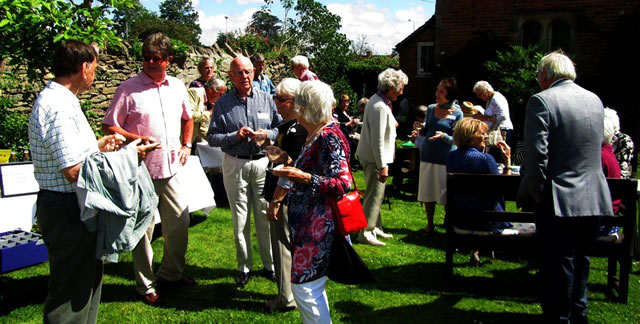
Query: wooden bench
(488, 186)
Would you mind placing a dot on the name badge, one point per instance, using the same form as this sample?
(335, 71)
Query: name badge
(263, 116)
(452, 117)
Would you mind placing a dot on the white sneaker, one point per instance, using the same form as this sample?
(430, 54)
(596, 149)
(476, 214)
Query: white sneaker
(378, 232)
(368, 237)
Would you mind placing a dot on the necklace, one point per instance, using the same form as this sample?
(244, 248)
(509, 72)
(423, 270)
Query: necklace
(313, 135)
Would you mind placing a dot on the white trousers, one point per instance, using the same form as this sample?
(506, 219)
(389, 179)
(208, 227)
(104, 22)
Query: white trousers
(311, 299)
(244, 181)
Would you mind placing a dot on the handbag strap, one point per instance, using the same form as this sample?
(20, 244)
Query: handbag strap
(353, 179)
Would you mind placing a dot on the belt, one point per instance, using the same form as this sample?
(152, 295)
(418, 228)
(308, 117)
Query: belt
(249, 157)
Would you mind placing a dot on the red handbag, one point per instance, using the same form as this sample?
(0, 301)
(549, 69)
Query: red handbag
(348, 213)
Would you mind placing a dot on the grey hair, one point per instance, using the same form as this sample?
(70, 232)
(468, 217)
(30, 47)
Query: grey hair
(288, 86)
(314, 102)
(392, 79)
(613, 115)
(557, 66)
(203, 61)
(482, 86)
(215, 83)
(609, 129)
(363, 102)
(300, 60)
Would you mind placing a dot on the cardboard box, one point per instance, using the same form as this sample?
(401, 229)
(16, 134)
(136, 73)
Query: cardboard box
(20, 249)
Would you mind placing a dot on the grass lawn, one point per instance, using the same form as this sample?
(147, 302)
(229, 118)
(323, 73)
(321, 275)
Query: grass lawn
(410, 287)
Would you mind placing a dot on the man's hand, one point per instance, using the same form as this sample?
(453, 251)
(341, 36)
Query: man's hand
(143, 148)
(183, 154)
(293, 174)
(272, 211)
(383, 174)
(110, 143)
(244, 132)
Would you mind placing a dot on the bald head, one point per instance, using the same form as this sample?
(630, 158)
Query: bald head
(241, 74)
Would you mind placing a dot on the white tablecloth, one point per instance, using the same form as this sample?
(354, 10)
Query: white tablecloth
(211, 157)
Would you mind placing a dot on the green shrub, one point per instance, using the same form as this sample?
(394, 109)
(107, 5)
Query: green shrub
(14, 127)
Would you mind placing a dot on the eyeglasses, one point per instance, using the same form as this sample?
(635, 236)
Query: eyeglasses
(156, 59)
(243, 72)
(283, 100)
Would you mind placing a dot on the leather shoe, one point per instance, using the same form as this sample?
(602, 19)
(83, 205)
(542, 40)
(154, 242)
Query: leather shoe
(379, 233)
(271, 275)
(367, 237)
(151, 298)
(242, 278)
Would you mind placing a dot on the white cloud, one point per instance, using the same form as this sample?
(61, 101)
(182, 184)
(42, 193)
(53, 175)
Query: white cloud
(244, 2)
(382, 28)
(195, 3)
(212, 25)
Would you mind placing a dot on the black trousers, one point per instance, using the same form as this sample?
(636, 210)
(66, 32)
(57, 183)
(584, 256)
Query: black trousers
(564, 268)
(75, 279)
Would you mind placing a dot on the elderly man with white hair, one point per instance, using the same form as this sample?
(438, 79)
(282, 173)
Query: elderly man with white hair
(496, 113)
(564, 185)
(300, 67)
(242, 120)
(376, 149)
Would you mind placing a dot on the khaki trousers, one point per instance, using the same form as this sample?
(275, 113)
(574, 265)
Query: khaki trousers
(281, 246)
(244, 180)
(174, 216)
(374, 195)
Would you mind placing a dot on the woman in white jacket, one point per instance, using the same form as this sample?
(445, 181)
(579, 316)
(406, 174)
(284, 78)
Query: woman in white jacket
(376, 149)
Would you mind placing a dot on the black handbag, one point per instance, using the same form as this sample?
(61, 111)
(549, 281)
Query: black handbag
(346, 266)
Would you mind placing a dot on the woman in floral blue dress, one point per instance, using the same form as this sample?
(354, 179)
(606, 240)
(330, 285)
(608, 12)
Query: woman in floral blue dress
(320, 174)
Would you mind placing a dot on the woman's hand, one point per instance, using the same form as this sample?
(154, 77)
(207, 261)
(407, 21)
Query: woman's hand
(272, 211)
(506, 152)
(293, 174)
(383, 174)
(437, 136)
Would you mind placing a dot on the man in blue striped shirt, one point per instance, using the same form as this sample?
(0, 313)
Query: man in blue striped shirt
(242, 121)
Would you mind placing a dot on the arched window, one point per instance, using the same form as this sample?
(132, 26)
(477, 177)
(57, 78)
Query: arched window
(560, 35)
(531, 33)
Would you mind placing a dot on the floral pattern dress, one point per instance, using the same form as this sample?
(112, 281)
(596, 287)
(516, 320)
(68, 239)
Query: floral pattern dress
(310, 216)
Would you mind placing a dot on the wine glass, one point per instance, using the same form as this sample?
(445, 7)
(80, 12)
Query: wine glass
(418, 126)
(273, 153)
(259, 139)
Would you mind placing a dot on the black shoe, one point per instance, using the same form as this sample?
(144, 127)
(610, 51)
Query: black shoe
(242, 278)
(269, 275)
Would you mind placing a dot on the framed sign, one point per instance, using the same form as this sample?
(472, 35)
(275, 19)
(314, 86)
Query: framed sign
(16, 179)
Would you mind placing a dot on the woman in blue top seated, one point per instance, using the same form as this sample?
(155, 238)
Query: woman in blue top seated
(469, 135)
(437, 131)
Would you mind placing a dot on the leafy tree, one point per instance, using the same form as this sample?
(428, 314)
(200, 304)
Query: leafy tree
(265, 24)
(29, 29)
(125, 18)
(182, 13)
(317, 33)
(514, 74)
(149, 23)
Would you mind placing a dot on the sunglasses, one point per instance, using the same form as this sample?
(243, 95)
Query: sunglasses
(283, 100)
(156, 59)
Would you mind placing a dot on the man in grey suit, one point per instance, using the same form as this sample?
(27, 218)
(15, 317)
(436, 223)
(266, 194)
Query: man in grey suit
(564, 184)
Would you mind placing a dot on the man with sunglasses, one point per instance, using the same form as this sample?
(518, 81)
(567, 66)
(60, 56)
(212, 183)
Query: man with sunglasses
(155, 107)
(242, 121)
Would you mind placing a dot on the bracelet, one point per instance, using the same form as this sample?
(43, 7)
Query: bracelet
(276, 201)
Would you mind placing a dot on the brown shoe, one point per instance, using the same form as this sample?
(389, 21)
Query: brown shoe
(150, 299)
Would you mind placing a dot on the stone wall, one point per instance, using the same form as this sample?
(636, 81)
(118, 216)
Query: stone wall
(114, 68)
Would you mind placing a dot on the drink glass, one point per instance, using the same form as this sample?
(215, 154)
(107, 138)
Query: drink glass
(259, 139)
(273, 153)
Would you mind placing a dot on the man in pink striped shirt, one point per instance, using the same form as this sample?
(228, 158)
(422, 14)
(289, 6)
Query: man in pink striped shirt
(155, 107)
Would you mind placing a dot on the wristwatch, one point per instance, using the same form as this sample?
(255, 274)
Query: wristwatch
(276, 201)
(187, 145)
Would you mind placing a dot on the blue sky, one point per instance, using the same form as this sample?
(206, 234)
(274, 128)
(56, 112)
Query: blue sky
(383, 23)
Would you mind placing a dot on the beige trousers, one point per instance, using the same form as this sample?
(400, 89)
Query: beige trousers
(244, 181)
(174, 216)
(281, 246)
(374, 195)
